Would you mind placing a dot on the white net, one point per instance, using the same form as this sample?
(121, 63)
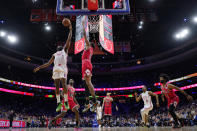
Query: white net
(93, 22)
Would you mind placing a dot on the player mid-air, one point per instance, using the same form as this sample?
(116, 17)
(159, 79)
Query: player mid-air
(148, 105)
(168, 90)
(87, 73)
(60, 69)
(73, 104)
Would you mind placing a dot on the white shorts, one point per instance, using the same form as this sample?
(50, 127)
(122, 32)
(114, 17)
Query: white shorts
(59, 75)
(146, 110)
(99, 116)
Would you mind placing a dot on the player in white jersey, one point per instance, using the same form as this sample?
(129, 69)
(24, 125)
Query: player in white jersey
(99, 114)
(60, 69)
(148, 105)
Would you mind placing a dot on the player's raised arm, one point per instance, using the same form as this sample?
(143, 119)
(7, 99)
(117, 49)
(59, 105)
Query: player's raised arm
(68, 41)
(170, 86)
(85, 36)
(45, 65)
(155, 95)
(137, 98)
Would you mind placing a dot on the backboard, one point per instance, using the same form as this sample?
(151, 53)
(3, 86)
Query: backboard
(105, 7)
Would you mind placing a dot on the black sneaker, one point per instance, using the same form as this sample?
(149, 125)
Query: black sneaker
(50, 124)
(77, 126)
(148, 125)
(93, 108)
(142, 124)
(87, 107)
(181, 123)
(176, 126)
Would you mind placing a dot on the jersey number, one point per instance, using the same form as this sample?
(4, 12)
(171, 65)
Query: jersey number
(145, 99)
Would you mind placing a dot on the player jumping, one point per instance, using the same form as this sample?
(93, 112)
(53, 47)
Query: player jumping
(172, 98)
(60, 69)
(87, 73)
(73, 104)
(148, 105)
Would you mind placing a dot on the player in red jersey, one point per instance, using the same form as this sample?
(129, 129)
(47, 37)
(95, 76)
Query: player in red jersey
(172, 98)
(73, 104)
(107, 105)
(87, 73)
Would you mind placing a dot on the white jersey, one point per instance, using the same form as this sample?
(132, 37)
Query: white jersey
(99, 113)
(60, 62)
(99, 110)
(147, 100)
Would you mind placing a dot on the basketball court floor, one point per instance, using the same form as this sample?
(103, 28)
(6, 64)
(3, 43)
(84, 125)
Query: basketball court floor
(194, 128)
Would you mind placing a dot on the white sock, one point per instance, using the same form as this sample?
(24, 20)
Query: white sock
(58, 98)
(66, 97)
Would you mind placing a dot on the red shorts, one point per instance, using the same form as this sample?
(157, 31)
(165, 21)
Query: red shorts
(108, 111)
(173, 101)
(86, 68)
(72, 104)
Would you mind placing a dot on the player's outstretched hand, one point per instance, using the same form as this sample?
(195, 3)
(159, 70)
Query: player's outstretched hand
(189, 98)
(36, 70)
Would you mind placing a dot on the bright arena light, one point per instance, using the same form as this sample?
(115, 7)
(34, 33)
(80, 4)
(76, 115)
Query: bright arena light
(182, 34)
(12, 38)
(185, 32)
(48, 28)
(177, 36)
(2, 33)
(140, 27)
(34, 1)
(141, 22)
(195, 19)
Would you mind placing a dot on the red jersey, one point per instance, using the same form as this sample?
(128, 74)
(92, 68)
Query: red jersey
(108, 102)
(169, 94)
(71, 92)
(87, 54)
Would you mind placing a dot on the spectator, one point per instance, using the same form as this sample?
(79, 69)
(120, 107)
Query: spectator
(11, 118)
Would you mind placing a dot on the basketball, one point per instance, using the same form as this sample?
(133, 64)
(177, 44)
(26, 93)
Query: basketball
(66, 22)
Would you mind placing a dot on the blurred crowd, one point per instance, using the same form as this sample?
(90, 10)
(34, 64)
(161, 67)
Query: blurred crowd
(158, 117)
(37, 111)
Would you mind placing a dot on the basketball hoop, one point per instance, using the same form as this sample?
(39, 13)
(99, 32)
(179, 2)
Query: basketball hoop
(93, 22)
